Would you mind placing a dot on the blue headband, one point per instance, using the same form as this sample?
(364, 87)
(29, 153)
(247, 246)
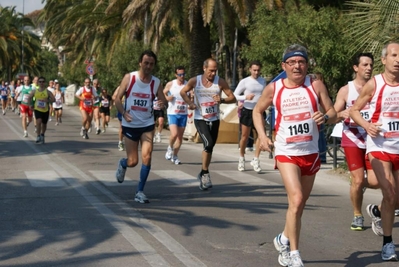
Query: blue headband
(295, 54)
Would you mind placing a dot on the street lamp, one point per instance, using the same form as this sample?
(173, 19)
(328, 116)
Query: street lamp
(22, 50)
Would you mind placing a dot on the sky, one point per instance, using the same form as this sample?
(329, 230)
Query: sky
(26, 5)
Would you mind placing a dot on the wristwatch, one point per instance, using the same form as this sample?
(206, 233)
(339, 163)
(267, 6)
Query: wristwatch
(326, 117)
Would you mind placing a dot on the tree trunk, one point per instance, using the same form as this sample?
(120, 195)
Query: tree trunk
(200, 43)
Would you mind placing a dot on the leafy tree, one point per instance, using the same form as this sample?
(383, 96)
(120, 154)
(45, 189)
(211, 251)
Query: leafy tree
(320, 31)
(12, 38)
(48, 64)
(372, 25)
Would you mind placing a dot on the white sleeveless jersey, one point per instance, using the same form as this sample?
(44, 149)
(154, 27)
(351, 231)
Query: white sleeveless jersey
(177, 106)
(139, 101)
(58, 100)
(297, 134)
(207, 109)
(351, 130)
(384, 108)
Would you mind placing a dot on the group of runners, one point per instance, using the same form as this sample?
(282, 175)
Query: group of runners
(367, 106)
(36, 101)
(95, 103)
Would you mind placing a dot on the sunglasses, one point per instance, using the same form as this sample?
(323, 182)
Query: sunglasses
(41, 81)
(180, 74)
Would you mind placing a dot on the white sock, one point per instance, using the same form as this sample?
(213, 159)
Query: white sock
(120, 142)
(284, 239)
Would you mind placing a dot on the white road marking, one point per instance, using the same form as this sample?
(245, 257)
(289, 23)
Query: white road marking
(44, 179)
(177, 177)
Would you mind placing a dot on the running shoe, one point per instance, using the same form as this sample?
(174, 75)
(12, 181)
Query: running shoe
(241, 164)
(98, 131)
(175, 160)
(397, 212)
(38, 139)
(208, 182)
(296, 261)
(158, 138)
(357, 223)
(106, 124)
(89, 130)
(168, 155)
(86, 136)
(25, 134)
(388, 252)
(82, 132)
(141, 198)
(256, 164)
(120, 172)
(121, 146)
(283, 250)
(375, 220)
(60, 120)
(202, 179)
(249, 149)
(56, 124)
(50, 119)
(103, 131)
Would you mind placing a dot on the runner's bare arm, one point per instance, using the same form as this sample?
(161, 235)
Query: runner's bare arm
(265, 100)
(226, 89)
(325, 103)
(187, 88)
(364, 97)
(340, 104)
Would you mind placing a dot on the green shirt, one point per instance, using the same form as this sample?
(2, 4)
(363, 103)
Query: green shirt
(25, 95)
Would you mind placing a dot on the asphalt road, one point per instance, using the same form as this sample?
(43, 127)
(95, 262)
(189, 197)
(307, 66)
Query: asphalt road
(61, 206)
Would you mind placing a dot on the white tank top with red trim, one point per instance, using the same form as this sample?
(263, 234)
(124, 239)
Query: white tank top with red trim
(384, 108)
(351, 132)
(297, 134)
(139, 101)
(177, 106)
(207, 109)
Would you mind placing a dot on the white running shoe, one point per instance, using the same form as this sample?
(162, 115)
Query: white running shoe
(175, 160)
(103, 131)
(388, 252)
(25, 134)
(89, 130)
(141, 198)
(50, 119)
(38, 139)
(296, 261)
(56, 124)
(241, 164)
(168, 154)
(284, 251)
(121, 146)
(82, 132)
(120, 172)
(375, 221)
(205, 181)
(256, 164)
(158, 138)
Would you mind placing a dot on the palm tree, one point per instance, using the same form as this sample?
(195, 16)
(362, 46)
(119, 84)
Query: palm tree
(11, 41)
(373, 24)
(197, 13)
